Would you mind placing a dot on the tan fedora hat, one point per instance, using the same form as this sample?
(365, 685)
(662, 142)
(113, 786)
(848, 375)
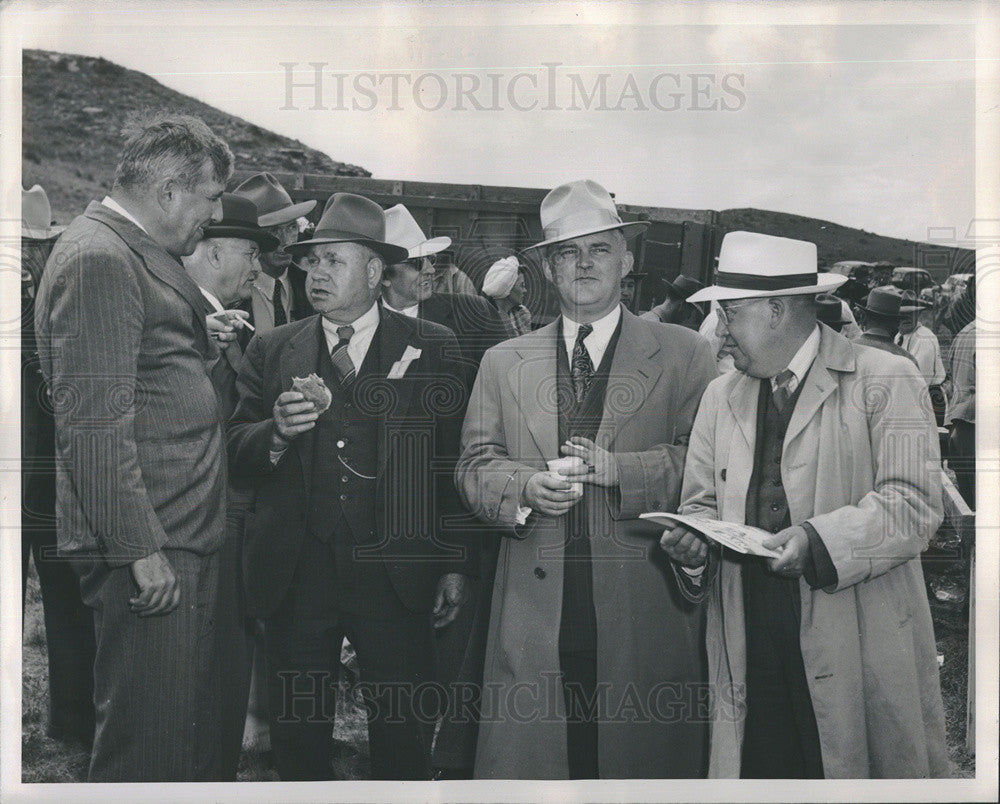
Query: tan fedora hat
(581, 208)
(273, 202)
(753, 265)
(36, 215)
(402, 229)
(350, 218)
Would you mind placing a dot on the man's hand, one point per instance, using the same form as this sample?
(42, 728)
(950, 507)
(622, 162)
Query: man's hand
(599, 465)
(550, 494)
(793, 544)
(687, 548)
(452, 593)
(293, 415)
(159, 592)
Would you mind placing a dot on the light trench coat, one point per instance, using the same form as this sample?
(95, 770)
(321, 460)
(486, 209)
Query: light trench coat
(860, 462)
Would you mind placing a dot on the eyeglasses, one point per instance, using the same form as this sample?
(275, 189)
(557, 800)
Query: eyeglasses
(728, 309)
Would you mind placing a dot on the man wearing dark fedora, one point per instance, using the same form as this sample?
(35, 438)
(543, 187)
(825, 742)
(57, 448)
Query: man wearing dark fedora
(349, 536)
(586, 615)
(822, 657)
(224, 264)
(676, 309)
(278, 293)
(69, 623)
(880, 314)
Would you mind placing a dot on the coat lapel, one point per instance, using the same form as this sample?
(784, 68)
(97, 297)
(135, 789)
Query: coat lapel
(635, 368)
(834, 355)
(300, 359)
(743, 405)
(534, 384)
(394, 335)
(157, 261)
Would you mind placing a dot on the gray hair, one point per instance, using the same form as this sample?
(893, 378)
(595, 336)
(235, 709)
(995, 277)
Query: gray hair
(171, 146)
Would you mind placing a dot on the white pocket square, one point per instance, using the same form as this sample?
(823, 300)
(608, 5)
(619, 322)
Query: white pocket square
(400, 366)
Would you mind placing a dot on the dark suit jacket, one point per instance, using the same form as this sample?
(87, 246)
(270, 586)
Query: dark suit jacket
(475, 322)
(123, 343)
(420, 419)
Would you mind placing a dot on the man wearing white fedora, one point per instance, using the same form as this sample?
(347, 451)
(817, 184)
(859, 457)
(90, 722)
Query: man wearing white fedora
(822, 659)
(408, 288)
(594, 663)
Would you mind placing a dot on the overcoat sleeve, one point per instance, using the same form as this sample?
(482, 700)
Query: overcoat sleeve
(489, 482)
(651, 479)
(894, 522)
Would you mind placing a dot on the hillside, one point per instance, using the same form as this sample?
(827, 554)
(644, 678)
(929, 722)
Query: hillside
(74, 108)
(835, 242)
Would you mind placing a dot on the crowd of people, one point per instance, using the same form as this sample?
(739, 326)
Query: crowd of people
(255, 444)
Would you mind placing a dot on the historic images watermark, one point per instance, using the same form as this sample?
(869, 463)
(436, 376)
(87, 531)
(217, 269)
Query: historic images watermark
(553, 87)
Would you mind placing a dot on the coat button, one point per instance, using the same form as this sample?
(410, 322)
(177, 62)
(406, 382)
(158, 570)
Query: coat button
(775, 507)
(539, 573)
(723, 475)
(340, 444)
(343, 496)
(343, 478)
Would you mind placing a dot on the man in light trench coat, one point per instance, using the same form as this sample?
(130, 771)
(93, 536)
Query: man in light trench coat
(822, 661)
(594, 660)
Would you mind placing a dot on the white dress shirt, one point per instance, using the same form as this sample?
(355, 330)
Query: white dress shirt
(114, 206)
(799, 366)
(597, 341)
(364, 330)
(410, 312)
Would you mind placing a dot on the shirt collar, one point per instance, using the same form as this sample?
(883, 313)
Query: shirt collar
(114, 206)
(604, 327)
(410, 311)
(799, 365)
(361, 325)
(212, 299)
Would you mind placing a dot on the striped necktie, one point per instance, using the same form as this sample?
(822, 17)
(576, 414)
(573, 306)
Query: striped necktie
(582, 370)
(342, 362)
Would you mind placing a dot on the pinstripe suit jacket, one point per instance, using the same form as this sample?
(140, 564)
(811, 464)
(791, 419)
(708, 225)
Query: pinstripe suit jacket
(123, 343)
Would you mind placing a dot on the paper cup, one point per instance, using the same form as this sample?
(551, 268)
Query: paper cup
(558, 464)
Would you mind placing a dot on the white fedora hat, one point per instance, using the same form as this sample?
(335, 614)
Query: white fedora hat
(753, 265)
(401, 229)
(581, 208)
(36, 215)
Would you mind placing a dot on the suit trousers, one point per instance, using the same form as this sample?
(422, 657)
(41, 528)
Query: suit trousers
(158, 692)
(397, 656)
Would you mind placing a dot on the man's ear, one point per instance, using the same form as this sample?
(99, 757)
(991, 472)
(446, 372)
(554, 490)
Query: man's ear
(627, 262)
(375, 270)
(166, 192)
(547, 270)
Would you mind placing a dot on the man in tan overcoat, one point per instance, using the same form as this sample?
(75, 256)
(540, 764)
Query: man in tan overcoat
(594, 661)
(822, 661)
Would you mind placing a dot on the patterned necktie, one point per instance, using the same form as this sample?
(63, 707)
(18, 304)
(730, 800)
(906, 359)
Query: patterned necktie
(582, 370)
(783, 389)
(342, 362)
(279, 306)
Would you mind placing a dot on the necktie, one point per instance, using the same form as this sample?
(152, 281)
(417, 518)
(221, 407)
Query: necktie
(279, 306)
(342, 362)
(582, 370)
(783, 389)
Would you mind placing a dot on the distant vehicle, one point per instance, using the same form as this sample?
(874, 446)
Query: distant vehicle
(871, 274)
(915, 279)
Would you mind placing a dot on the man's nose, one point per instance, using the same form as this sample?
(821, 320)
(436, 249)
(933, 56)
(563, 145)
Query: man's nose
(217, 210)
(584, 260)
(721, 327)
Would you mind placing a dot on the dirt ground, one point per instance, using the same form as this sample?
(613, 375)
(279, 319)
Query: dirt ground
(46, 760)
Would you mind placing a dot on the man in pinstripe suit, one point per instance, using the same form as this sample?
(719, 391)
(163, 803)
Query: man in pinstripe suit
(141, 477)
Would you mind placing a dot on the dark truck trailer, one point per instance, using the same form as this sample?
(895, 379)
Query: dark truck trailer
(484, 220)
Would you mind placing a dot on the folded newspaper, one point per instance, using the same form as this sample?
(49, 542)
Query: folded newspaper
(741, 538)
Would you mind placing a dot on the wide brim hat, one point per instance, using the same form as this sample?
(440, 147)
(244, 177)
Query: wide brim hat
(36, 215)
(578, 209)
(683, 287)
(350, 218)
(239, 219)
(913, 304)
(274, 204)
(882, 301)
(402, 229)
(758, 266)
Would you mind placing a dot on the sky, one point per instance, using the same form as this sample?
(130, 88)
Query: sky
(866, 120)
